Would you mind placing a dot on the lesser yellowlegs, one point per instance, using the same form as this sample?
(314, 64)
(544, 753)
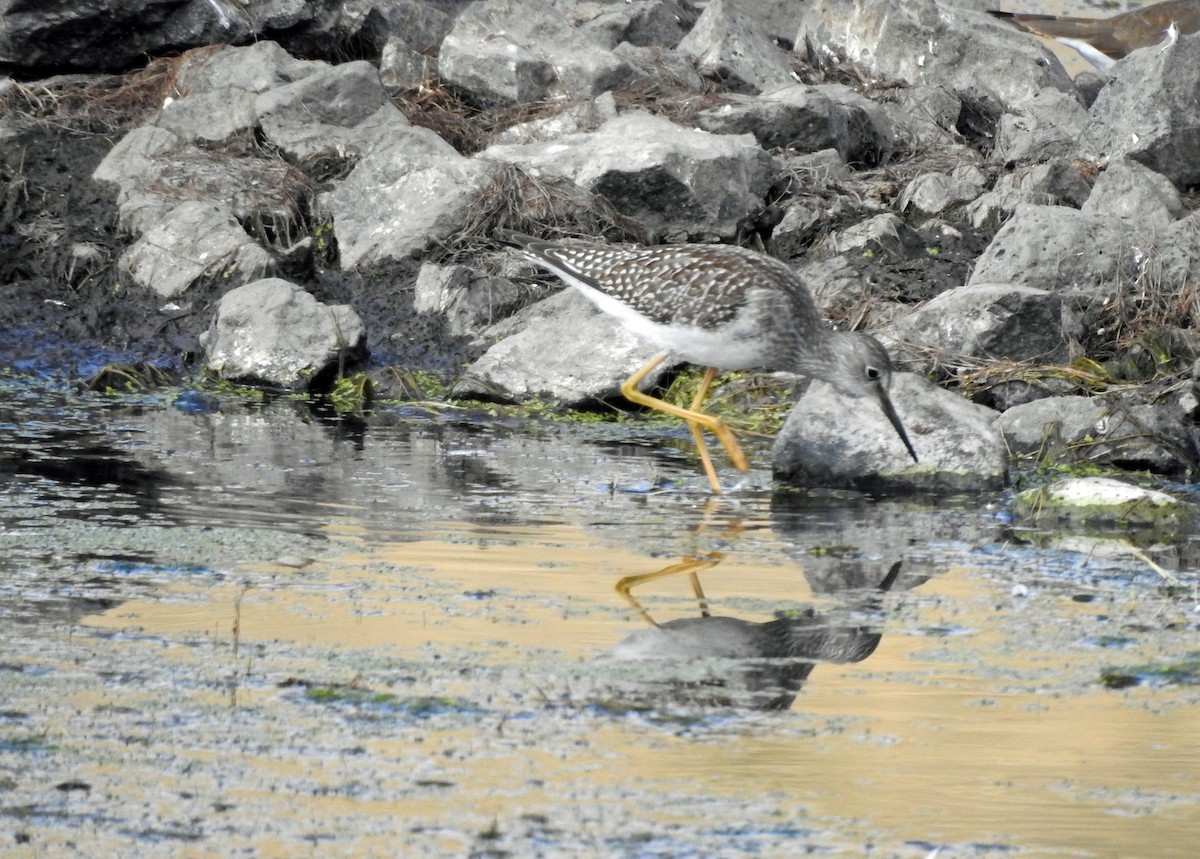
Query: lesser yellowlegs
(719, 307)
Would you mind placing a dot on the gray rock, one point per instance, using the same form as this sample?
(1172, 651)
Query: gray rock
(117, 35)
(195, 240)
(809, 216)
(1080, 254)
(341, 110)
(1129, 190)
(673, 179)
(411, 32)
(881, 234)
(993, 320)
(831, 439)
(516, 51)
(935, 193)
(924, 42)
(923, 115)
(276, 333)
(210, 117)
(108, 36)
(730, 45)
(1091, 430)
(806, 119)
(566, 351)
(467, 299)
(841, 292)
(640, 23)
(1054, 183)
(217, 91)
(255, 68)
(1151, 112)
(662, 65)
(401, 67)
(153, 171)
(404, 196)
(1043, 127)
(134, 159)
(816, 169)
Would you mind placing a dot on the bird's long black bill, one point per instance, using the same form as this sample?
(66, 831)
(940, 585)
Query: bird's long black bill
(890, 410)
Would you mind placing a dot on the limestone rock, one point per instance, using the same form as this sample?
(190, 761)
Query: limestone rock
(403, 196)
(831, 439)
(730, 45)
(274, 332)
(1082, 254)
(673, 179)
(1091, 430)
(1151, 112)
(195, 240)
(517, 51)
(926, 42)
(993, 320)
(564, 350)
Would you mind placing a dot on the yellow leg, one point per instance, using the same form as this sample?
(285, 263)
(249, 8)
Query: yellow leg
(691, 566)
(695, 418)
(698, 432)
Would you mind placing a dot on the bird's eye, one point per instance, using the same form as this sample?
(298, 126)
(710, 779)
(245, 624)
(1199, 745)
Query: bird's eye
(873, 373)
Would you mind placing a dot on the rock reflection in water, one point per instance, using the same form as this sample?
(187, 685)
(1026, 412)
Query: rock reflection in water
(721, 661)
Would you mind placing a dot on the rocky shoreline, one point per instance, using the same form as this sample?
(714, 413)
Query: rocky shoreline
(304, 196)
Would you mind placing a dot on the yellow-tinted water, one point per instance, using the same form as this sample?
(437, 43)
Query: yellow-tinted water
(954, 731)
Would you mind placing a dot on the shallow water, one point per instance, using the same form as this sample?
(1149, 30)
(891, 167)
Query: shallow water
(241, 630)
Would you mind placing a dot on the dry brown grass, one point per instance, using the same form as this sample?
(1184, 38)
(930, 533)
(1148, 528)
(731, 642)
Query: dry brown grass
(546, 206)
(107, 105)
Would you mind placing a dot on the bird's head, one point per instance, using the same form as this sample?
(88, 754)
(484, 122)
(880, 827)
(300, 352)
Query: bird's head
(858, 365)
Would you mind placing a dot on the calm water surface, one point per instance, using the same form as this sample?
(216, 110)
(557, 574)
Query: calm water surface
(251, 568)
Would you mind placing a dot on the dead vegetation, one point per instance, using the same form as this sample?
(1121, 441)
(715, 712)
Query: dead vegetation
(553, 207)
(108, 105)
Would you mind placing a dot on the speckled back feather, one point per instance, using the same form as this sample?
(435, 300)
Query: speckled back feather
(703, 285)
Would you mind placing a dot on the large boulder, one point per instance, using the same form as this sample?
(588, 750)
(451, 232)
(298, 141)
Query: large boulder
(516, 51)
(562, 349)
(154, 170)
(196, 240)
(926, 42)
(731, 45)
(674, 180)
(1087, 256)
(993, 321)
(831, 439)
(115, 35)
(275, 333)
(406, 195)
(1150, 111)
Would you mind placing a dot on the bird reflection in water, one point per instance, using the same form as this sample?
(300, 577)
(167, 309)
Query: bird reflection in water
(720, 661)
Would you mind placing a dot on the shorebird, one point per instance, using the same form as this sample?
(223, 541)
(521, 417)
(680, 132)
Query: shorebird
(719, 307)
(1103, 41)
